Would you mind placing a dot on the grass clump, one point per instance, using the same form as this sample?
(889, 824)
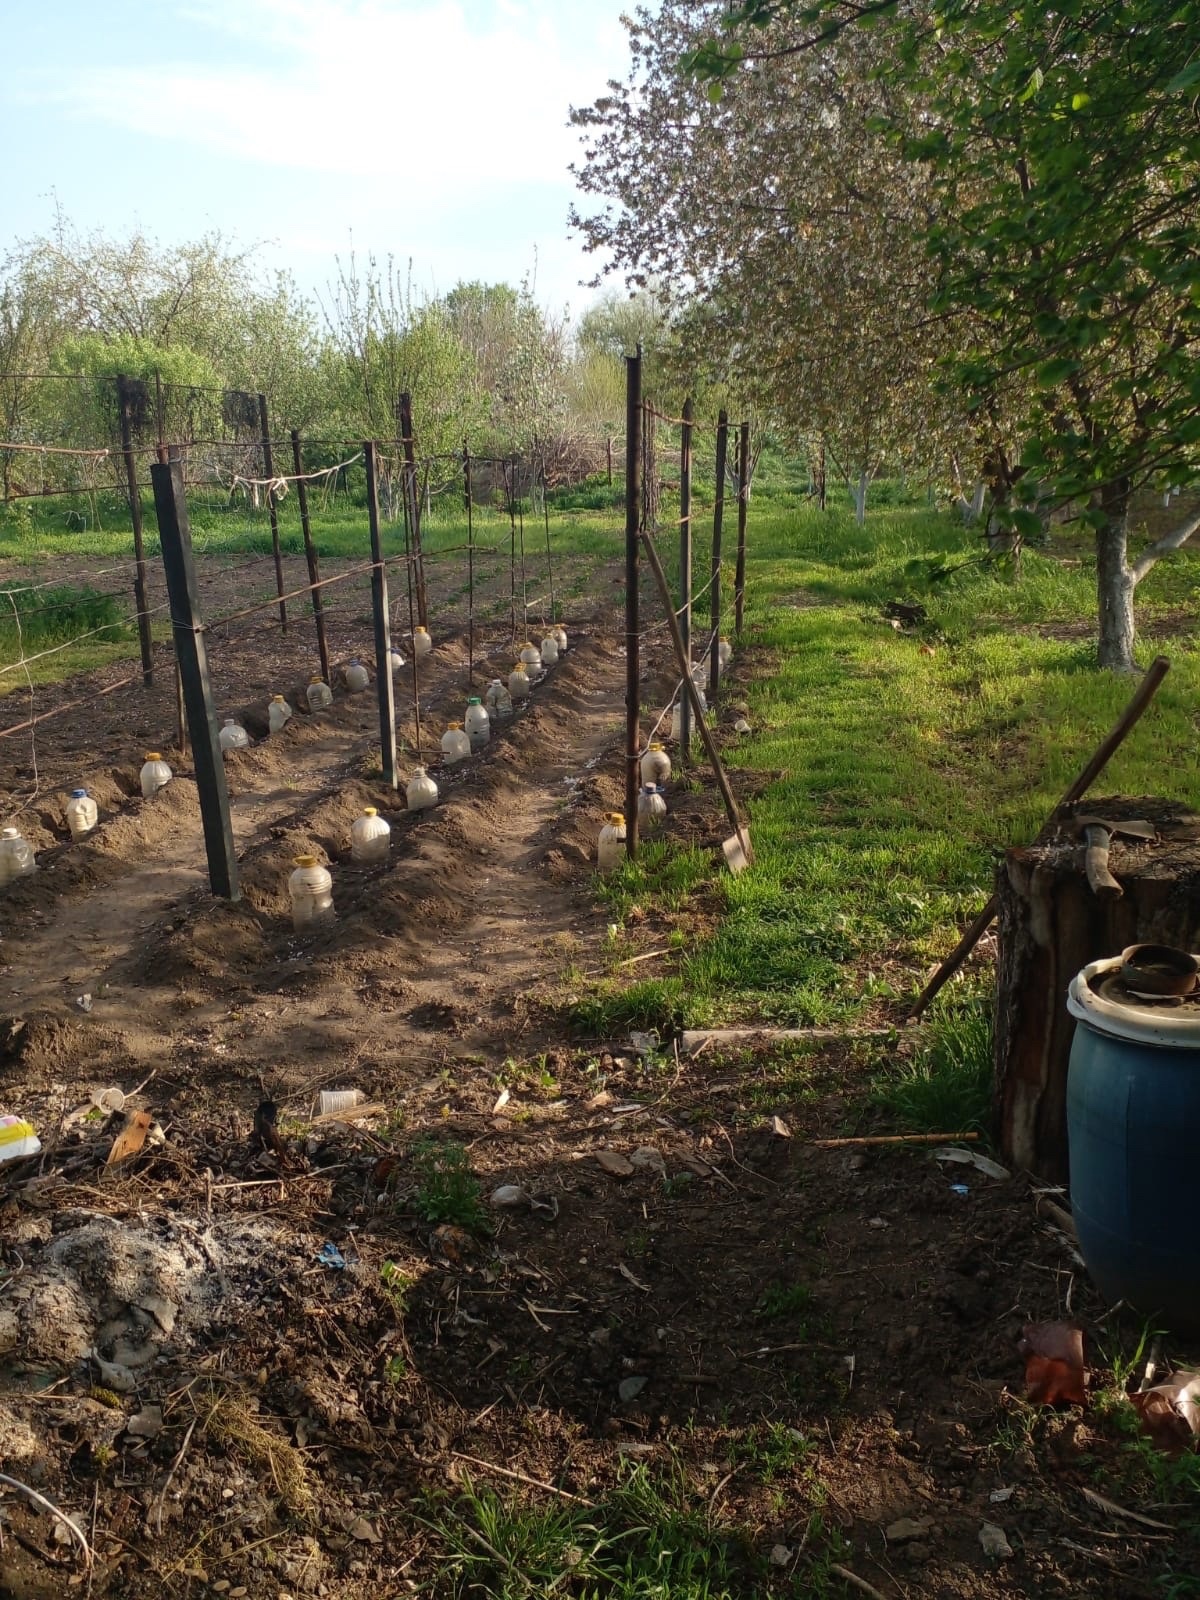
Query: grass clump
(447, 1190)
(946, 1087)
(231, 1422)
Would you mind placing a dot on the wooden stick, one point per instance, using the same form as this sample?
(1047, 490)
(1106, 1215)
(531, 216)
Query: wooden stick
(894, 1138)
(522, 1477)
(855, 1582)
(1147, 689)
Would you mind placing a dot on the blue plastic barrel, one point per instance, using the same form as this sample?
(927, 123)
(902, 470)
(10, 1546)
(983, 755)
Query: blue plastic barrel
(1133, 1125)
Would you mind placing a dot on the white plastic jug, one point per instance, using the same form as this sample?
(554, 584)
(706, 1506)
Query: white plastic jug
(456, 746)
(477, 723)
(156, 774)
(421, 791)
(652, 807)
(233, 736)
(518, 683)
(17, 859)
(311, 889)
(357, 677)
(499, 701)
(370, 837)
(279, 714)
(396, 659)
(82, 813)
(656, 765)
(610, 850)
(531, 658)
(724, 652)
(319, 695)
(560, 638)
(422, 643)
(549, 651)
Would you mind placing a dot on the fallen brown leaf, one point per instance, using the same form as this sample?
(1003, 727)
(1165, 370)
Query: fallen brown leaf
(1054, 1369)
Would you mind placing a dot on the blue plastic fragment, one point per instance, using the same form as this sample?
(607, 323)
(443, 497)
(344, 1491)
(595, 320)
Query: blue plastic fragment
(959, 1188)
(330, 1256)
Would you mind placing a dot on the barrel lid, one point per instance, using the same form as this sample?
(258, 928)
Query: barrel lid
(78, 794)
(304, 861)
(1095, 998)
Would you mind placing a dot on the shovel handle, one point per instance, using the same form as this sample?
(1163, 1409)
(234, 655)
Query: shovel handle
(1095, 863)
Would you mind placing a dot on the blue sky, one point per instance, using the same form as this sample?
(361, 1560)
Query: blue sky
(431, 129)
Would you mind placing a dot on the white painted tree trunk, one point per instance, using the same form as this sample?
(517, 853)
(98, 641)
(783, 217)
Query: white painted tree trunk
(859, 491)
(971, 509)
(1115, 584)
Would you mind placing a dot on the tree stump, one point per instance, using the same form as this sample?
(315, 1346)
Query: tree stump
(1050, 925)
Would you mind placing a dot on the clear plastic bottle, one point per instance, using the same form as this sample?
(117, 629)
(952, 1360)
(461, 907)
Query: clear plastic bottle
(724, 652)
(477, 723)
(699, 679)
(560, 638)
(531, 658)
(311, 889)
(156, 774)
(610, 850)
(456, 746)
(549, 649)
(421, 791)
(518, 683)
(357, 677)
(652, 806)
(498, 699)
(656, 765)
(319, 695)
(233, 736)
(279, 714)
(396, 659)
(422, 643)
(17, 859)
(82, 813)
(370, 837)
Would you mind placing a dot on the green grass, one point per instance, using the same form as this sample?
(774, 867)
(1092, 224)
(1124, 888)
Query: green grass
(946, 1087)
(33, 622)
(447, 1190)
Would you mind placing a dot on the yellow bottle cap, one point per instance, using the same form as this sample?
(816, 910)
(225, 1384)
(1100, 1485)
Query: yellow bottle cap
(313, 680)
(275, 698)
(617, 818)
(153, 755)
(420, 629)
(304, 861)
(370, 811)
(656, 746)
(455, 727)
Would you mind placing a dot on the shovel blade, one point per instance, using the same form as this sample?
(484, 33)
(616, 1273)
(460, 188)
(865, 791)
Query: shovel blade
(737, 859)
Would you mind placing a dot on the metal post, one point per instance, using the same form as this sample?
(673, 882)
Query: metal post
(512, 549)
(739, 581)
(714, 649)
(549, 558)
(269, 473)
(685, 576)
(412, 629)
(175, 537)
(470, 564)
(410, 480)
(124, 406)
(310, 556)
(633, 509)
(383, 640)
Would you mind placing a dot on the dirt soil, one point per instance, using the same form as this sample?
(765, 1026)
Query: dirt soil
(207, 1364)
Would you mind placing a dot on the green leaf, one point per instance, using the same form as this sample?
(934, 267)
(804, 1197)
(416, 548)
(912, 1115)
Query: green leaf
(1078, 101)
(1055, 371)
(1187, 79)
(716, 91)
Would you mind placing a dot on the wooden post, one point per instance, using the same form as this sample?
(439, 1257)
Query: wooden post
(739, 581)
(549, 557)
(512, 547)
(310, 556)
(408, 441)
(269, 473)
(470, 564)
(608, 455)
(633, 511)
(714, 649)
(685, 577)
(383, 641)
(125, 408)
(175, 536)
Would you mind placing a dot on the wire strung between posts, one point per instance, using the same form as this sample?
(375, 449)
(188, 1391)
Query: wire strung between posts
(37, 784)
(71, 705)
(24, 661)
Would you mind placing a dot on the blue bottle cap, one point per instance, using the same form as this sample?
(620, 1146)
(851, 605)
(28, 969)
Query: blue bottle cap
(78, 794)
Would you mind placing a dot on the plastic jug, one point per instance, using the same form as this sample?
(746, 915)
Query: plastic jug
(610, 851)
(311, 889)
(456, 746)
(17, 859)
(357, 677)
(699, 676)
(656, 765)
(560, 638)
(499, 701)
(396, 659)
(477, 722)
(549, 651)
(724, 652)
(370, 837)
(421, 791)
(156, 774)
(319, 695)
(279, 714)
(422, 643)
(82, 813)
(233, 736)
(531, 659)
(518, 683)
(652, 807)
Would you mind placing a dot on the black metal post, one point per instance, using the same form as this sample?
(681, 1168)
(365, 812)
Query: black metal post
(383, 638)
(685, 576)
(124, 406)
(269, 474)
(175, 537)
(633, 511)
(714, 649)
(310, 556)
(739, 581)
(470, 564)
(549, 558)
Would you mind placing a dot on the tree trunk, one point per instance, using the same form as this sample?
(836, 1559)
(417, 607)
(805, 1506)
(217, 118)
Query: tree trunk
(1051, 925)
(820, 474)
(859, 491)
(1115, 583)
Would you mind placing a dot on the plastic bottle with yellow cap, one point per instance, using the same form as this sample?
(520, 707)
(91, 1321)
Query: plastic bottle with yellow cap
(370, 838)
(518, 683)
(156, 774)
(319, 695)
(610, 850)
(656, 765)
(311, 889)
(422, 643)
(456, 746)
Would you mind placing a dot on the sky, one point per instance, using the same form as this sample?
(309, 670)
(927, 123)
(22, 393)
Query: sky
(431, 130)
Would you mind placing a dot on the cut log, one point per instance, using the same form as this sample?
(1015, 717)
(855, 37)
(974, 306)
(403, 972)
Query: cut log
(1050, 925)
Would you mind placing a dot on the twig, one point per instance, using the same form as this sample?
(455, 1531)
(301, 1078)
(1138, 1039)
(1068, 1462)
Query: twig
(48, 1505)
(895, 1138)
(158, 1507)
(522, 1477)
(855, 1582)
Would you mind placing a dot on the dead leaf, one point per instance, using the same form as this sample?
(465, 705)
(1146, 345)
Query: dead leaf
(1054, 1369)
(636, 1282)
(598, 1101)
(502, 1100)
(780, 1128)
(130, 1139)
(363, 1530)
(1170, 1411)
(906, 1528)
(976, 1159)
(614, 1163)
(1112, 1509)
(649, 1159)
